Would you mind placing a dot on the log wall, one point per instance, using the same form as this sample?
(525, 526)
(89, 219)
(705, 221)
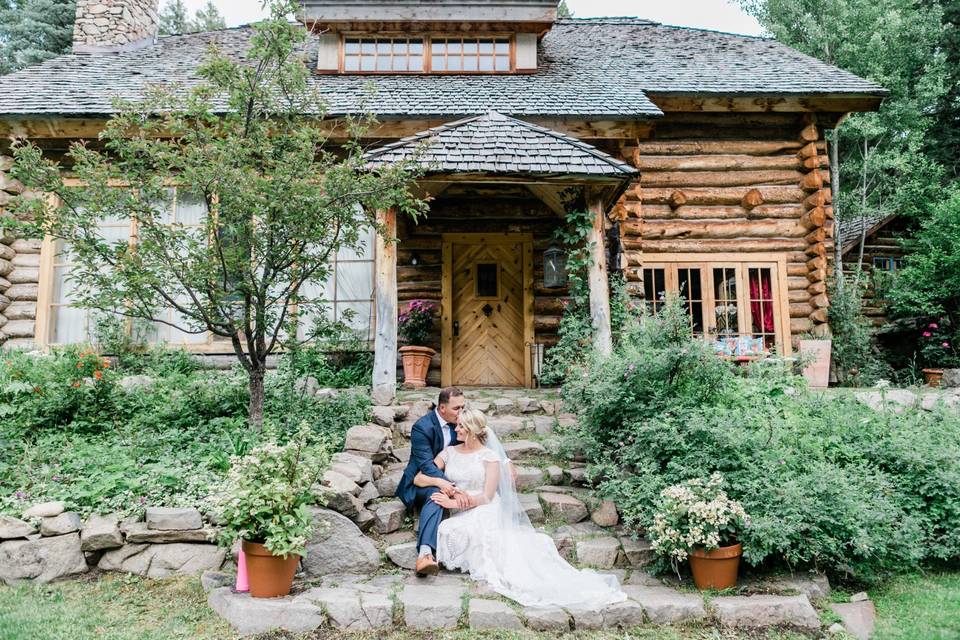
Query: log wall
(885, 242)
(19, 274)
(742, 183)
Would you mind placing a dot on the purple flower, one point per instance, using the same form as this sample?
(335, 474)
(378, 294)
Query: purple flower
(143, 500)
(55, 478)
(934, 325)
(632, 367)
(21, 495)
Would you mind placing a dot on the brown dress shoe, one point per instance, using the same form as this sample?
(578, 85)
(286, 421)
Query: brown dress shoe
(427, 566)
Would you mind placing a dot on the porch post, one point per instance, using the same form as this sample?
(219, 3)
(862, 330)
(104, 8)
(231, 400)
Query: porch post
(597, 277)
(385, 341)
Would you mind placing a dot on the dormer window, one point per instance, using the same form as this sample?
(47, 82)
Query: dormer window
(429, 54)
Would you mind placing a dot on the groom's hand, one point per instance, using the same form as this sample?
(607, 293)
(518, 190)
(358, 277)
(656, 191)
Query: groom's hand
(462, 499)
(447, 488)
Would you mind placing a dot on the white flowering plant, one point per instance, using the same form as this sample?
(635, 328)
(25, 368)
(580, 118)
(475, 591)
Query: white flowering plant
(695, 513)
(267, 494)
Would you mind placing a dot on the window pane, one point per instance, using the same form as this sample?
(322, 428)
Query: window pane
(469, 64)
(367, 238)
(762, 323)
(486, 46)
(486, 64)
(502, 47)
(469, 48)
(351, 64)
(503, 63)
(654, 288)
(368, 46)
(416, 47)
(487, 281)
(354, 280)
(725, 301)
(360, 317)
(454, 47)
(383, 63)
(416, 63)
(69, 325)
(351, 47)
(453, 64)
(690, 289)
(191, 208)
(367, 64)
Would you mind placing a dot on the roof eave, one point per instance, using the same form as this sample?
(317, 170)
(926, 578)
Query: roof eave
(756, 101)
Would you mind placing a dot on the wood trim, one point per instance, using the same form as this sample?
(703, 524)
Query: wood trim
(385, 293)
(528, 313)
(427, 39)
(44, 292)
(446, 314)
(835, 104)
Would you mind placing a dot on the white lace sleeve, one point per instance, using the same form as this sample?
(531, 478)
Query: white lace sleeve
(488, 456)
(445, 455)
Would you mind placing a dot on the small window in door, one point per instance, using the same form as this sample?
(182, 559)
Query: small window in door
(487, 281)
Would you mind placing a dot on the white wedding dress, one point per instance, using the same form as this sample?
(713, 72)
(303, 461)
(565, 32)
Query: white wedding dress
(495, 546)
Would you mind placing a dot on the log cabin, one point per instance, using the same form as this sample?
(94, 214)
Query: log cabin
(700, 156)
(883, 238)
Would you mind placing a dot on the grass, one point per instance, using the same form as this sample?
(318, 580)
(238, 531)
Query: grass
(919, 607)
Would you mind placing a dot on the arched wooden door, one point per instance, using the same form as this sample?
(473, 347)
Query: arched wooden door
(487, 310)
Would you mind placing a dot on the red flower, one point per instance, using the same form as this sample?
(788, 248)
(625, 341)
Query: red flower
(98, 375)
(927, 334)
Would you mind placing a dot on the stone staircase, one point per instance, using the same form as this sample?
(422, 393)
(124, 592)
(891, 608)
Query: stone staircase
(358, 570)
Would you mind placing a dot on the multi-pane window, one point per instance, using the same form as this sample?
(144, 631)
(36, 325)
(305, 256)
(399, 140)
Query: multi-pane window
(68, 323)
(437, 54)
(347, 295)
(887, 263)
(383, 54)
(470, 54)
(734, 304)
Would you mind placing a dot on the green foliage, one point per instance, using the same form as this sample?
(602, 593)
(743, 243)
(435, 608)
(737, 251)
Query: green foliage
(267, 494)
(279, 199)
(416, 323)
(563, 11)
(174, 19)
(855, 360)
(32, 31)
(834, 485)
(164, 442)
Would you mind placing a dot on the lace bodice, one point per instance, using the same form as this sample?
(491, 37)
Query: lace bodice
(467, 470)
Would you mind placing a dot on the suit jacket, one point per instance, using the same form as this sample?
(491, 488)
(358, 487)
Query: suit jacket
(426, 441)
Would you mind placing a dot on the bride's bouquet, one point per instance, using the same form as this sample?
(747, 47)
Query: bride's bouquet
(696, 514)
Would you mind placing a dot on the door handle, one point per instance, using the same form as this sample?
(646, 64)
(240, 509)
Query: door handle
(456, 328)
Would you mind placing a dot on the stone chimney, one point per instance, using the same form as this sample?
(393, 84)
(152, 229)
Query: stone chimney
(108, 26)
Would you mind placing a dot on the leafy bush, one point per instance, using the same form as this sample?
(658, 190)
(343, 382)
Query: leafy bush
(267, 494)
(831, 484)
(415, 324)
(856, 362)
(165, 442)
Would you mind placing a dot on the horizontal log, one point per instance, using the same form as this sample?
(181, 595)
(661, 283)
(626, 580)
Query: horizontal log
(816, 249)
(798, 295)
(797, 281)
(715, 246)
(764, 118)
(720, 178)
(817, 287)
(712, 212)
(796, 269)
(548, 306)
(811, 181)
(817, 235)
(818, 198)
(820, 262)
(721, 195)
(419, 273)
(817, 274)
(813, 218)
(721, 229)
(801, 310)
(820, 315)
(546, 323)
(424, 257)
(714, 162)
(800, 325)
(687, 147)
(820, 301)
(810, 133)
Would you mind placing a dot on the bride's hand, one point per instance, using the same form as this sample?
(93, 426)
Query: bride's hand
(443, 501)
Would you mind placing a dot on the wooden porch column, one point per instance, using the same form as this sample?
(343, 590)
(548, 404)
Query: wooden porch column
(597, 277)
(385, 341)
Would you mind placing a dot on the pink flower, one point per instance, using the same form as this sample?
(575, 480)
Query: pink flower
(933, 325)
(927, 334)
(946, 345)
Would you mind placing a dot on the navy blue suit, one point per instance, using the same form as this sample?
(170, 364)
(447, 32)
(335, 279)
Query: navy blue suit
(426, 442)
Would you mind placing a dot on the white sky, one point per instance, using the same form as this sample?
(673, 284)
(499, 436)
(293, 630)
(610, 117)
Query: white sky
(722, 15)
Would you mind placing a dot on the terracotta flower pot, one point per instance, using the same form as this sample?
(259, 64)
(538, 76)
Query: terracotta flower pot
(269, 576)
(932, 377)
(716, 569)
(416, 363)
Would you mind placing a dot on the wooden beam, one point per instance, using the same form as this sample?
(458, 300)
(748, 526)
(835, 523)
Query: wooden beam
(835, 103)
(385, 340)
(549, 196)
(597, 276)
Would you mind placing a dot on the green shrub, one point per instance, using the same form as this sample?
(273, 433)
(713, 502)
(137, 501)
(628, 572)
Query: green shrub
(827, 483)
(855, 360)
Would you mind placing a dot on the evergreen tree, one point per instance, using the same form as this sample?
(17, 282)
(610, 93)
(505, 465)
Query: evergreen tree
(945, 141)
(32, 31)
(563, 11)
(175, 19)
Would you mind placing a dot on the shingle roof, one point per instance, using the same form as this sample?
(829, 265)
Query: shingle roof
(588, 68)
(495, 143)
(851, 229)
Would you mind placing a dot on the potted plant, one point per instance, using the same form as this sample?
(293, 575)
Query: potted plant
(265, 501)
(936, 353)
(413, 327)
(696, 520)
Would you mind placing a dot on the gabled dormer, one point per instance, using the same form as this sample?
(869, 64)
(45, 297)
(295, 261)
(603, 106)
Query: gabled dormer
(428, 36)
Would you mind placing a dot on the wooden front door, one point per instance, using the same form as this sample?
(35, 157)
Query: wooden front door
(487, 310)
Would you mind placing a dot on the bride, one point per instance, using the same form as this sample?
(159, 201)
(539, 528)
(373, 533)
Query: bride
(492, 539)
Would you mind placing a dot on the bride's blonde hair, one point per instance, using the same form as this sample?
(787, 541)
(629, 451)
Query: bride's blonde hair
(475, 422)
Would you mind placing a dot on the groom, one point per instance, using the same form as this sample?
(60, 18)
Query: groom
(429, 436)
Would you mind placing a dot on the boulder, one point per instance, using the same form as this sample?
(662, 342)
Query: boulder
(173, 519)
(402, 453)
(566, 507)
(388, 516)
(554, 474)
(369, 441)
(383, 416)
(61, 525)
(346, 504)
(521, 449)
(387, 483)
(11, 528)
(622, 615)
(41, 559)
(418, 410)
(639, 553)
(338, 546)
(530, 504)
(44, 510)
(859, 617)
(352, 610)
(766, 611)
(547, 619)
(528, 477)
(101, 532)
(307, 386)
(576, 476)
(528, 405)
(348, 471)
(667, 606)
(336, 482)
(365, 520)
(503, 406)
(368, 492)
(403, 555)
(598, 552)
(951, 379)
(586, 619)
(362, 464)
(605, 514)
(506, 426)
(163, 560)
(250, 616)
(492, 614)
(212, 579)
(129, 383)
(428, 606)
(543, 425)
(137, 532)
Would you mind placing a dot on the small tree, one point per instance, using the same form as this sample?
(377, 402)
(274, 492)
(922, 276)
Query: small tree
(280, 200)
(175, 19)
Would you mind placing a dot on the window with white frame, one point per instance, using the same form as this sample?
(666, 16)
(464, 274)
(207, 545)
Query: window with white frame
(737, 305)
